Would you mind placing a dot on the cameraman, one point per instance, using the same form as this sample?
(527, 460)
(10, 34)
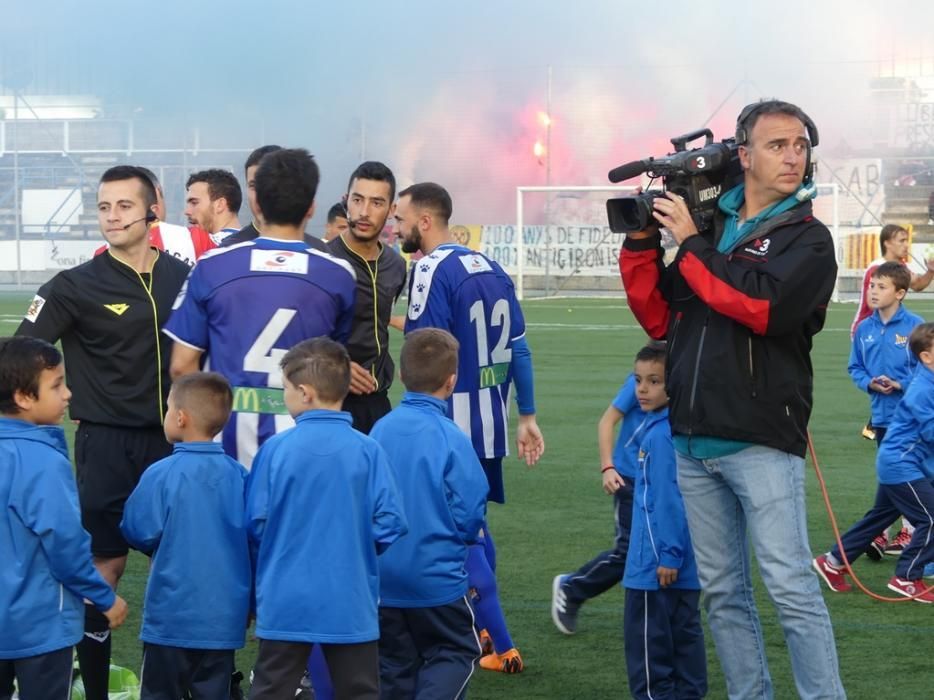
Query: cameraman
(739, 306)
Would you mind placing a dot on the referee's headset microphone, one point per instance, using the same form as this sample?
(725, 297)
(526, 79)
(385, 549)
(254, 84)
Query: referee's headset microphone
(149, 218)
(350, 222)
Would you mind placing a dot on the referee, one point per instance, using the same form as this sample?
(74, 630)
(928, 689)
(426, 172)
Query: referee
(380, 278)
(108, 313)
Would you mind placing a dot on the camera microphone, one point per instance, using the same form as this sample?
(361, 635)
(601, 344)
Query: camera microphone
(626, 171)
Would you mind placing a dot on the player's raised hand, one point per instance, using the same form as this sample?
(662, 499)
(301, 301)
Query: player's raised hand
(361, 381)
(117, 613)
(530, 444)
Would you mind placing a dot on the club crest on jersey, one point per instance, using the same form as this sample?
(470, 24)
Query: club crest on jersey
(118, 309)
(278, 261)
(901, 340)
(35, 307)
(759, 247)
(475, 263)
(421, 282)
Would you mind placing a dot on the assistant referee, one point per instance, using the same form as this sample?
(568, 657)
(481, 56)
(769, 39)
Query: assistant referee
(108, 313)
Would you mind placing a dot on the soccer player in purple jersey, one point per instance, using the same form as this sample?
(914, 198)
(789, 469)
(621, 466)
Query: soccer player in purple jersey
(469, 295)
(247, 304)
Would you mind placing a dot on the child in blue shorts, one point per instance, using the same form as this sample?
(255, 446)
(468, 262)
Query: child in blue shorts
(187, 512)
(43, 586)
(905, 469)
(881, 364)
(428, 646)
(321, 505)
(618, 469)
(664, 641)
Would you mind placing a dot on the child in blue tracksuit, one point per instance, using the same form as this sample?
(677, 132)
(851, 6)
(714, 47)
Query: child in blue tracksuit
(47, 566)
(618, 470)
(905, 468)
(187, 512)
(321, 505)
(880, 361)
(664, 640)
(428, 645)
(881, 364)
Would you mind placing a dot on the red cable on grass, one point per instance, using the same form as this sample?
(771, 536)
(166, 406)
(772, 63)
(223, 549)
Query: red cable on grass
(836, 534)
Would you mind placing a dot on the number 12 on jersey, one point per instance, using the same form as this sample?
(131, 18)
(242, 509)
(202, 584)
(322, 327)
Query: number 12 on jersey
(493, 364)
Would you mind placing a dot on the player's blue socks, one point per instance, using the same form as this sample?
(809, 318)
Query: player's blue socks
(487, 610)
(488, 547)
(320, 676)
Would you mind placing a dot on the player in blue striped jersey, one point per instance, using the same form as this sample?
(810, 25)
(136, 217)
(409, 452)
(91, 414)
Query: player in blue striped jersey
(247, 304)
(470, 296)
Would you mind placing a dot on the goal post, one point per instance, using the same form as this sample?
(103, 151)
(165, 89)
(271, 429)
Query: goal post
(520, 270)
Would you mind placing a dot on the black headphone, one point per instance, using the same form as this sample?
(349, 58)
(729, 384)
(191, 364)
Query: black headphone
(151, 217)
(749, 111)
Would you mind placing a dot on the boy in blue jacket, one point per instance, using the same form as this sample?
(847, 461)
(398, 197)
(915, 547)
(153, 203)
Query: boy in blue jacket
(664, 640)
(47, 565)
(321, 505)
(881, 364)
(618, 462)
(428, 645)
(187, 512)
(905, 468)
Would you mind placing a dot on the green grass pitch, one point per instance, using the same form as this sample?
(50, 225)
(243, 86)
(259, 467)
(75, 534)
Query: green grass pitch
(557, 517)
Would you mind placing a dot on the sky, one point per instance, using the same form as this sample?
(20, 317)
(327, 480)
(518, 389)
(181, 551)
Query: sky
(452, 92)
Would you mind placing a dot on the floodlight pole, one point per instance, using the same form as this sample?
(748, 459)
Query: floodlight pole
(17, 216)
(548, 184)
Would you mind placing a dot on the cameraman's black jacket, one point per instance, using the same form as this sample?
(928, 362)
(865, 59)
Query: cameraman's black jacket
(739, 325)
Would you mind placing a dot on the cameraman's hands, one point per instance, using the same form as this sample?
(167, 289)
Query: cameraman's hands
(672, 213)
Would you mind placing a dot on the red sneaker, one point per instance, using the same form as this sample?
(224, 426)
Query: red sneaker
(876, 548)
(911, 588)
(834, 576)
(897, 545)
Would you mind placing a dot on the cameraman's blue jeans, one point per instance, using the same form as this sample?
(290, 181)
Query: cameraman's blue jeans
(758, 492)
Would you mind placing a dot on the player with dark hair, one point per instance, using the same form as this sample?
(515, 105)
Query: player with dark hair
(464, 292)
(212, 202)
(337, 222)
(380, 275)
(245, 305)
(108, 313)
(256, 228)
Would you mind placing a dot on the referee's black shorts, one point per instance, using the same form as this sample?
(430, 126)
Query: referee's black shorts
(366, 409)
(109, 462)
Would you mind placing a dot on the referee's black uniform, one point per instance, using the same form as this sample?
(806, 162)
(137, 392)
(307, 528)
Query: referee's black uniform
(109, 318)
(379, 283)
